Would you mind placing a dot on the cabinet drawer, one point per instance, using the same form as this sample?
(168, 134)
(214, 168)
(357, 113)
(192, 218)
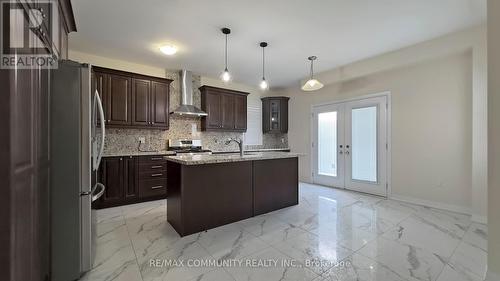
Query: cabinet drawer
(160, 174)
(152, 159)
(152, 187)
(152, 167)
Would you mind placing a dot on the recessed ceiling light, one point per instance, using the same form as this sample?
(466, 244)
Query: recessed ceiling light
(168, 49)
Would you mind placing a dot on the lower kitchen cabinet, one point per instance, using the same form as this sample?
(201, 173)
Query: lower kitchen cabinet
(132, 179)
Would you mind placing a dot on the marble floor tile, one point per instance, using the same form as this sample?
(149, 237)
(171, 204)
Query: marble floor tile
(146, 208)
(128, 271)
(230, 242)
(278, 267)
(214, 275)
(338, 234)
(349, 237)
(408, 261)
(172, 262)
(453, 222)
(425, 234)
(314, 252)
(362, 218)
(451, 274)
(110, 215)
(477, 235)
(115, 258)
(470, 260)
(360, 268)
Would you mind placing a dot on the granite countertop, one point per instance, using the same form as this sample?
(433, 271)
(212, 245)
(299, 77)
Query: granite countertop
(224, 158)
(137, 153)
(253, 150)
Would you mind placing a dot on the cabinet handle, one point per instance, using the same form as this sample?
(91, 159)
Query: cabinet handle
(121, 159)
(156, 167)
(152, 123)
(156, 187)
(156, 158)
(156, 175)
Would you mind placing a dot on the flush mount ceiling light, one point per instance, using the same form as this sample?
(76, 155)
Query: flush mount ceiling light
(312, 84)
(168, 50)
(263, 84)
(225, 76)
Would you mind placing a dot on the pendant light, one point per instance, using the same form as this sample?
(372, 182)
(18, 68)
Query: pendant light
(225, 76)
(263, 84)
(312, 84)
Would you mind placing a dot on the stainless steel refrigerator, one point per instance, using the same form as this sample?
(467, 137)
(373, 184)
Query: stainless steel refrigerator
(76, 149)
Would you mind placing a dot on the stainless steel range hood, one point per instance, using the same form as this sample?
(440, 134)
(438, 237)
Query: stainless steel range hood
(187, 108)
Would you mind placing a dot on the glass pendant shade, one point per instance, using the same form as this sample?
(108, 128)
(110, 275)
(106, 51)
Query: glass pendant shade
(263, 84)
(225, 76)
(312, 84)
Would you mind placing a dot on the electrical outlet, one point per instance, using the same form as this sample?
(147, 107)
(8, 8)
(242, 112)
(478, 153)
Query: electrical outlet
(282, 140)
(142, 140)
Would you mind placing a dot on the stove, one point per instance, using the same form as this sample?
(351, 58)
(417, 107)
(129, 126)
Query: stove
(187, 147)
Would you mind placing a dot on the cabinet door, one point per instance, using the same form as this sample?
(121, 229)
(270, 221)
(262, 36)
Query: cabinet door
(112, 177)
(159, 104)
(119, 98)
(130, 177)
(141, 101)
(213, 109)
(240, 113)
(99, 83)
(227, 111)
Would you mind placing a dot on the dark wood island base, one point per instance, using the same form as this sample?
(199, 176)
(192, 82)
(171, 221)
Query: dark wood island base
(205, 196)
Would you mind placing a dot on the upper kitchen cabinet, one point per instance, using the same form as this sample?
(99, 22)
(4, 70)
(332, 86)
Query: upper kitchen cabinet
(275, 114)
(226, 109)
(132, 100)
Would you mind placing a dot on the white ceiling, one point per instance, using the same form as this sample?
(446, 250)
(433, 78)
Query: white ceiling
(337, 31)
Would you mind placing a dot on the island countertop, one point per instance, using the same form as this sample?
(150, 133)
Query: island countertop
(225, 158)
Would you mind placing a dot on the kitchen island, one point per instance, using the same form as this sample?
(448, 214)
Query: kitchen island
(206, 191)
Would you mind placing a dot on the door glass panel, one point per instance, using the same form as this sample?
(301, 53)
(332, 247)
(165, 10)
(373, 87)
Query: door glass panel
(327, 144)
(274, 116)
(364, 144)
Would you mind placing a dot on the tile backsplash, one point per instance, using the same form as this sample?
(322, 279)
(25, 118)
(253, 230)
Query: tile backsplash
(127, 140)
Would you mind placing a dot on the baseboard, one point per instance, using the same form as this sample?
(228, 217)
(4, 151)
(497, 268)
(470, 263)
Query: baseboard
(479, 219)
(432, 204)
(490, 276)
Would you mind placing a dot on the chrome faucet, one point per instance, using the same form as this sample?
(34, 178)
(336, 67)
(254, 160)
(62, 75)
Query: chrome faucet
(238, 141)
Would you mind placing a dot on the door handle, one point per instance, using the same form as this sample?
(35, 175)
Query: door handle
(100, 193)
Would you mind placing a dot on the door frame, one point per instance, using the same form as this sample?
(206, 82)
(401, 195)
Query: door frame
(386, 94)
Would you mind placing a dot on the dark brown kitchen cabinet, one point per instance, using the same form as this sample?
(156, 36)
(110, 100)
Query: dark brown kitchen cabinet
(119, 101)
(132, 179)
(111, 175)
(160, 104)
(133, 100)
(141, 98)
(226, 109)
(211, 104)
(275, 114)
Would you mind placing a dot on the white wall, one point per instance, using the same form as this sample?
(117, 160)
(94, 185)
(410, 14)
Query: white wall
(494, 140)
(438, 100)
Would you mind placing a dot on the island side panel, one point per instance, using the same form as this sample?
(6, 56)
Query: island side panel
(215, 194)
(174, 203)
(276, 184)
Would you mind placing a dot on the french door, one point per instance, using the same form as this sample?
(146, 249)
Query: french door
(350, 145)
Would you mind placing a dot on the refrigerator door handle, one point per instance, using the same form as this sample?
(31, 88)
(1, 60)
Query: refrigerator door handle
(100, 193)
(103, 129)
